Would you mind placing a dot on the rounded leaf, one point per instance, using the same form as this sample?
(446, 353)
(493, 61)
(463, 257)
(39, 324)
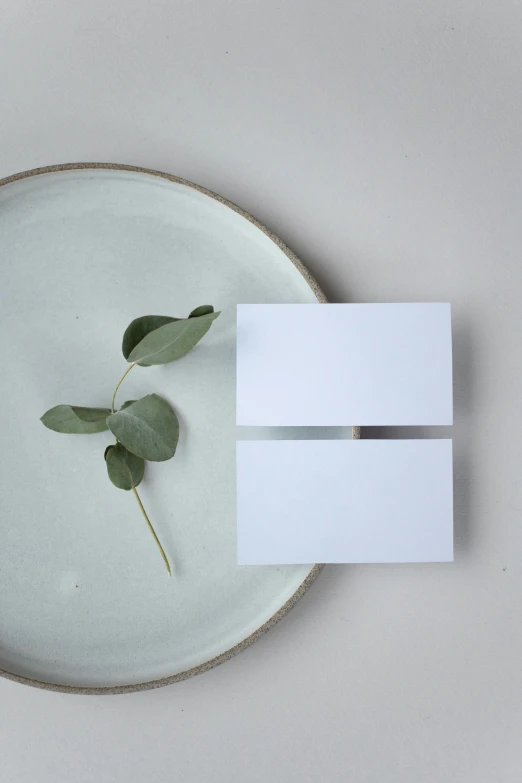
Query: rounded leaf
(201, 310)
(139, 328)
(124, 468)
(74, 420)
(171, 341)
(148, 428)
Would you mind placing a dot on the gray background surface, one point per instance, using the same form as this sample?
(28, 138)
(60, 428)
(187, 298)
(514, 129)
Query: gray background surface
(382, 142)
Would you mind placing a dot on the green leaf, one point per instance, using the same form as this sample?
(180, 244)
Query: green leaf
(123, 467)
(202, 310)
(171, 341)
(79, 421)
(148, 428)
(126, 404)
(140, 328)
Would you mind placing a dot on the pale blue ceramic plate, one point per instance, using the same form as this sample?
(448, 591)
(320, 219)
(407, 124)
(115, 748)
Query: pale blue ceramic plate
(86, 604)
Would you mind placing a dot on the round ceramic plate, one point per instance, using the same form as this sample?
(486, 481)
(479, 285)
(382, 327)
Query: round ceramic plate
(86, 603)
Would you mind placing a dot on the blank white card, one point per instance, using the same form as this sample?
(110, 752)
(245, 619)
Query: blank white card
(344, 501)
(344, 364)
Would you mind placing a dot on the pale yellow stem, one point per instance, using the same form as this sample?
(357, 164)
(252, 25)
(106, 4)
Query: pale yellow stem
(164, 556)
(127, 371)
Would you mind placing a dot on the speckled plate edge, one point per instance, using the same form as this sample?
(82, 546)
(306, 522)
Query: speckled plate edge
(314, 572)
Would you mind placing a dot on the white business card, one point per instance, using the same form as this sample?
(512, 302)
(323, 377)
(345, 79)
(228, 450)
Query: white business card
(344, 364)
(344, 501)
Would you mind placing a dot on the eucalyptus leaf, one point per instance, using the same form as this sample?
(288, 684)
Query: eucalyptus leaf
(171, 341)
(148, 428)
(75, 420)
(202, 310)
(125, 469)
(140, 328)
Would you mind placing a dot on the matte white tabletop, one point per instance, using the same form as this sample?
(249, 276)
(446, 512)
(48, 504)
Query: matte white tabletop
(382, 142)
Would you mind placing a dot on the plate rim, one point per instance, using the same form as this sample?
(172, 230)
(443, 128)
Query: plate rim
(314, 571)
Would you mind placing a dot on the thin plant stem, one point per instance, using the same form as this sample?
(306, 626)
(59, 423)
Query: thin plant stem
(164, 556)
(127, 371)
(140, 504)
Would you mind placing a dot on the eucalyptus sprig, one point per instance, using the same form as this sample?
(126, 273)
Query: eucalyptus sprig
(145, 429)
